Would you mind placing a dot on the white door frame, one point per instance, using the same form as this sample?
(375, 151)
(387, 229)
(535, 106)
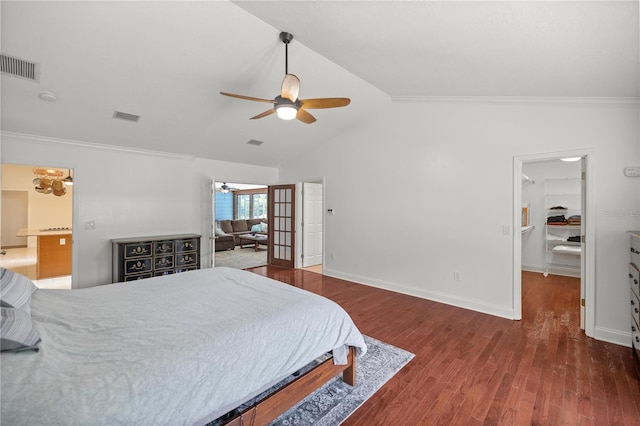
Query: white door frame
(589, 214)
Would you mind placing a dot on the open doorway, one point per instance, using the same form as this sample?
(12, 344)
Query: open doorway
(240, 224)
(552, 207)
(37, 218)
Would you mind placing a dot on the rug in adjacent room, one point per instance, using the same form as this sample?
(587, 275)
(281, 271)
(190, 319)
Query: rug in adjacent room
(335, 401)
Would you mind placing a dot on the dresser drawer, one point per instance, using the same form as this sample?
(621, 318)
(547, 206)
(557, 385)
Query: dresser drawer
(635, 251)
(137, 277)
(635, 307)
(634, 278)
(190, 268)
(137, 266)
(163, 262)
(186, 259)
(137, 250)
(186, 245)
(635, 337)
(162, 247)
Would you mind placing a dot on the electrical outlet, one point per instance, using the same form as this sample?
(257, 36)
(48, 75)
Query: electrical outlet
(333, 255)
(90, 225)
(457, 276)
(506, 230)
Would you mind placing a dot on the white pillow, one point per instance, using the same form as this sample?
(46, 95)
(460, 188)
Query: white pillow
(16, 290)
(263, 227)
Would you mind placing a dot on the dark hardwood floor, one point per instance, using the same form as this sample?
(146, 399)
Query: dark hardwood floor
(473, 368)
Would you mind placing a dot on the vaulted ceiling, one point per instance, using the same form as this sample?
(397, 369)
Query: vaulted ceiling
(168, 61)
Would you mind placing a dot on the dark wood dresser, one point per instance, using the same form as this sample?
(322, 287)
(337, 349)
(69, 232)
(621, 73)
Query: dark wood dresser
(145, 257)
(634, 296)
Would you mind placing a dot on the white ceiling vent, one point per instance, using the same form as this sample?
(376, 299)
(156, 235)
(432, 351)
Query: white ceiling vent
(126, 116)
(20, 68)
(255, 142)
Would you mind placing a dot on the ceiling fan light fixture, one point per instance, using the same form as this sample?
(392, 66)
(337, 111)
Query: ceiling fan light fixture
(285, 109)
(286, 112)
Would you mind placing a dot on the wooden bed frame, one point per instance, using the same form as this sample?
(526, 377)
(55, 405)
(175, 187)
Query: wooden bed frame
(269, 408)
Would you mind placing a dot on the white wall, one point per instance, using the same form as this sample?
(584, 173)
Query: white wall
(449, 166)
(129, 194)
(533, 242)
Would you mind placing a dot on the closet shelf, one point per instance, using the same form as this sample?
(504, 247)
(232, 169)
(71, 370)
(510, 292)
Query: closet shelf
(566, 249)
(526, 229)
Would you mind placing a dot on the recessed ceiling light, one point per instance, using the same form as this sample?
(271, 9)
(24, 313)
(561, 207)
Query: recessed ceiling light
(571, 159)
(48, 96)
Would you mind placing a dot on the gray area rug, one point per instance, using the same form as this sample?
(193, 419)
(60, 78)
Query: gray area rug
(335, 401)
(241, 258)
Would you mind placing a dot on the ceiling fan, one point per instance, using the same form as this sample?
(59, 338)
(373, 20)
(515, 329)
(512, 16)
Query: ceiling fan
(287, 106)
(224, 188)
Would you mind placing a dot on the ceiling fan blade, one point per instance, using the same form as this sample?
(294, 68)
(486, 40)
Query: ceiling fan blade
(264, 114)
(325, 103)
(249, 98)
(290, 87)
(305, 117)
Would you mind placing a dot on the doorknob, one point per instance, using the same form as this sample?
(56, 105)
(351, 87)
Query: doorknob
(3, 252)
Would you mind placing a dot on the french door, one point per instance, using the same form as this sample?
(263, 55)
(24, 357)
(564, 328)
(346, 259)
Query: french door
(281, 229)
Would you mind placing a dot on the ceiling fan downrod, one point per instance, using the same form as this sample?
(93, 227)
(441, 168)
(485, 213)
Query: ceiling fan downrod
(286, 39)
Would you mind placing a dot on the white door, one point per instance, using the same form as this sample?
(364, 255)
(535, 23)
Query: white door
(311, 224)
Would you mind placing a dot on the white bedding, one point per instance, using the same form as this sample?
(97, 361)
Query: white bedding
(177, 349)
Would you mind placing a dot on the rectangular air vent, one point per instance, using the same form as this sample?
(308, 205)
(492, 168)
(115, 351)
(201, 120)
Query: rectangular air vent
(255, 142)
(126, 116)
(20, 68)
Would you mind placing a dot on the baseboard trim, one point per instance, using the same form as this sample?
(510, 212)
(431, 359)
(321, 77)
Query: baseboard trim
(554, 270)
(612, 336)
(429, 295)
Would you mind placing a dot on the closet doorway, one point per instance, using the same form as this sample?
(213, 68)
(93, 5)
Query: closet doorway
(552, 206)
(310, 226)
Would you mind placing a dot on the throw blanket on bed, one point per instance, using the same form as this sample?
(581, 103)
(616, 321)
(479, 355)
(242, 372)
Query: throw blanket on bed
(177, 349)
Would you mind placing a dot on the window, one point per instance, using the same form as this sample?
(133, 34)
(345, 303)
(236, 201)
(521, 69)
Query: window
(243, 206)
(259, 205)
(250, 204)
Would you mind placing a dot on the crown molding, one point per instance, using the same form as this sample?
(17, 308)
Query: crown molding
(47, 139)
(521, 99)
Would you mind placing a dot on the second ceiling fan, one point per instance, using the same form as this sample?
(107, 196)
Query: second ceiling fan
(287, 106)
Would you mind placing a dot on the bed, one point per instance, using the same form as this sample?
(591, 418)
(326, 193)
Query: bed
(177, 349)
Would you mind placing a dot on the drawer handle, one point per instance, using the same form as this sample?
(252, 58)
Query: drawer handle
(637, 339)
(635, 282)
(630, 276)
(634, 251)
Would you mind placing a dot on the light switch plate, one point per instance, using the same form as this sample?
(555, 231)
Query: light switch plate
(632, 171)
